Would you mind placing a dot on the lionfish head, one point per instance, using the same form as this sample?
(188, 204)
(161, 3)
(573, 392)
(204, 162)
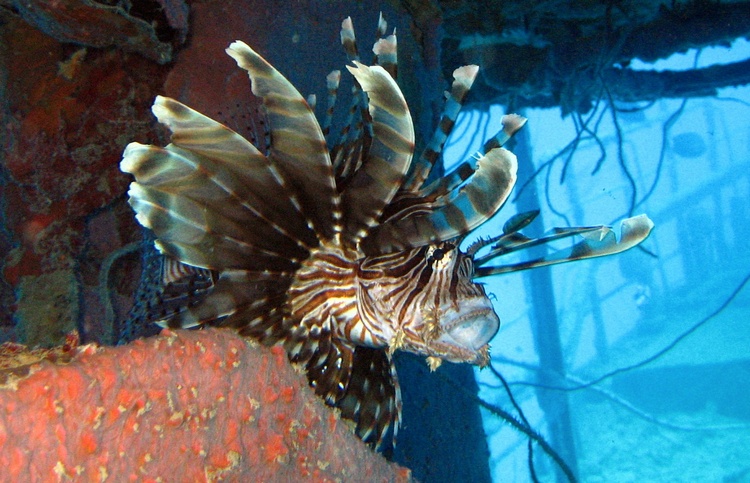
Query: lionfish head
(432, 302)
(341, 250)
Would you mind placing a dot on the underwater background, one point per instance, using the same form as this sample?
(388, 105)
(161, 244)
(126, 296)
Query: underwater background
(654, 342)
(634, 367)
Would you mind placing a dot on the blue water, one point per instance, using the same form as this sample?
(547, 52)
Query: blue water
(664, 330)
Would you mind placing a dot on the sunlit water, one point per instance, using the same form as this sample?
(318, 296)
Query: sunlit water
(673, 323)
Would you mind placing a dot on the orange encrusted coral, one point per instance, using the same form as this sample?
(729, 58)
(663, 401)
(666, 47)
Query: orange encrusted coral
(188, 406)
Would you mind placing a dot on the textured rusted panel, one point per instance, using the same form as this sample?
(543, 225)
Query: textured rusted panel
(67, 113)
(94, 24)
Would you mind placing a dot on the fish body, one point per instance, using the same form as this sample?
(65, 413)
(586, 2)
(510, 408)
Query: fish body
(341, 252)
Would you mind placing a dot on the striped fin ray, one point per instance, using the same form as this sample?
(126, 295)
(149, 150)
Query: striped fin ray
(385, 51)
(328, 360)
(511, 124)
(349, 39)
(463, 78)
(235, 165)
(332, 84)
(469, 206)
(182, 285)
(437, 193)
(298, 150)
(197, 218)
(379, 178)
(597, 241)
(357, 131)
(171, 289)
(245, 300)
(373, 396)
(347, 153)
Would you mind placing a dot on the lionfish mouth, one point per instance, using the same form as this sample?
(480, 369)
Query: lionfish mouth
(470, 327)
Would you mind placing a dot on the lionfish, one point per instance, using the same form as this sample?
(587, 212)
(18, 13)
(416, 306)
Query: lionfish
(346, 253)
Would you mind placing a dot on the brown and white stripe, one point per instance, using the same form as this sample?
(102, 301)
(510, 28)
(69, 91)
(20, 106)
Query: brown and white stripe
(338, 254)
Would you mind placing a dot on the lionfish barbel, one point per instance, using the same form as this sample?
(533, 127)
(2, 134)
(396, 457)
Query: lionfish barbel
(347, 253)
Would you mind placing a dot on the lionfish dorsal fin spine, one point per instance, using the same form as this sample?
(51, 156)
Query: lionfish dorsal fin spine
(333, 79)
(463, 78)
(385, 51)
(512, 123)
(382, 171)
(438, 188)
(349, 39)
(382, 25)
(467, 207)
(299, 149)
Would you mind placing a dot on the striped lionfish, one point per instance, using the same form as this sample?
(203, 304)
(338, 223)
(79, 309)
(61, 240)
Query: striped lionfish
(346, 253)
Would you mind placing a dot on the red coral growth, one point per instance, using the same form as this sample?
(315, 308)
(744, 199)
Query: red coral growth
(188, 406)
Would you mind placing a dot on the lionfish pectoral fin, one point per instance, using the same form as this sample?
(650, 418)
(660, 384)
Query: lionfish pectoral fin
(373, 396)
(328, 361)
(200, 196)
(467, 207)
(241, 174)
(597, 242)
(298, 152)
(245, 300)
(382, 172)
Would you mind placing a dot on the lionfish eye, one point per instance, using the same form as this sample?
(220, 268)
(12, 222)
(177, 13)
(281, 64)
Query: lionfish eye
(438, 254)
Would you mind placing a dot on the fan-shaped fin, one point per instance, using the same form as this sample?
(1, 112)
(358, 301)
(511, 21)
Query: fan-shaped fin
(380, 176)
(209, 188)
(473, 203)
(298, 148)
(327, 360)
(234, 164)
(184, 187)
(373, 396)
(329, 370)
(182, 198)
(597, 242)
(238, 294)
